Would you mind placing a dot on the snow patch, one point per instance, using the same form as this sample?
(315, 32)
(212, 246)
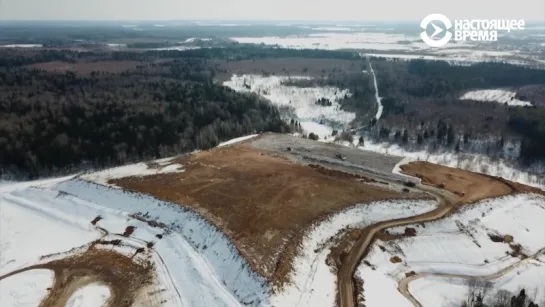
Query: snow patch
(335, 41)
(26, 289)
(301, 100)
(93, 295)
(237, 140)
(499, 96)
(161, 166)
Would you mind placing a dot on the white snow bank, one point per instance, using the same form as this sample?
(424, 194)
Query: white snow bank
(137, 169)
(218, 254)
(237, 140)
(500, 96)
(397, 170)
(439, 291)
(381, 290)
(93, 295)
(19, 244)
(8, 186)
(192, 275)
(302, 100)
(312, 282)
(26, 289)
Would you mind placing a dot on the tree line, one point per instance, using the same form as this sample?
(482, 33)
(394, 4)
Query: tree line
(54, 122)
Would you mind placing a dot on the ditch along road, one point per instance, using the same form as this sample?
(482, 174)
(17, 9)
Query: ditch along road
(403, 285)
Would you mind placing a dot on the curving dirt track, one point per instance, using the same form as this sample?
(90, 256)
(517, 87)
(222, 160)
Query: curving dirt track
(452, 187)
(121, 274)
(403, 285)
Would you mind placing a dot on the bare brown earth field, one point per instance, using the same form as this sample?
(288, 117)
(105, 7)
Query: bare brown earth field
(262, 201)
(292, 66)
(469, 187)
(87, 67)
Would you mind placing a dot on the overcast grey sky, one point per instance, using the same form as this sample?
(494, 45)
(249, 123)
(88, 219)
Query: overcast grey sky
(388, 10)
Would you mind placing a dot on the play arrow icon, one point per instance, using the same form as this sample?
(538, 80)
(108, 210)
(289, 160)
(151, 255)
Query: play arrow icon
(437, 30)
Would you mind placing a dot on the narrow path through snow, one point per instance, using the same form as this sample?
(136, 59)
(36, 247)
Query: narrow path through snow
(404, 283)
(377, 97)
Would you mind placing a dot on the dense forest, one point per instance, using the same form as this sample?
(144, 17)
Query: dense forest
(59, 121)
(167, 102)
(421, 99)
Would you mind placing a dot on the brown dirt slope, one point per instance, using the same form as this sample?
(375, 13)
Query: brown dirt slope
(468, 186)
(259, 199)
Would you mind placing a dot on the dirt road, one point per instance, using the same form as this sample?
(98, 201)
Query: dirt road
(448, 198)
(347, 294)
(403, 285)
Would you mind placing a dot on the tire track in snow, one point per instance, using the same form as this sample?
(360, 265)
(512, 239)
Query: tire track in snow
(403, 285)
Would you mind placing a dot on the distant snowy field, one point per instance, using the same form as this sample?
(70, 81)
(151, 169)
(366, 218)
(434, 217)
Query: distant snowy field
(460, 245)
(499, 96)
(301, 100)
(346, 40)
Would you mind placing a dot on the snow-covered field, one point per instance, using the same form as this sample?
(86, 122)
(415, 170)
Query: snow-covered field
(94, 295)
(25, 289)
(312, 282)
(195, 263)
(450, 291)
(498, 95)
(460, 245)
(301, 100)
(22, 46)
(392, 45)
(333, 41)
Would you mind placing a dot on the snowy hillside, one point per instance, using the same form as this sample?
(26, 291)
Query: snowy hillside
(195, 265)
(494, 238)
